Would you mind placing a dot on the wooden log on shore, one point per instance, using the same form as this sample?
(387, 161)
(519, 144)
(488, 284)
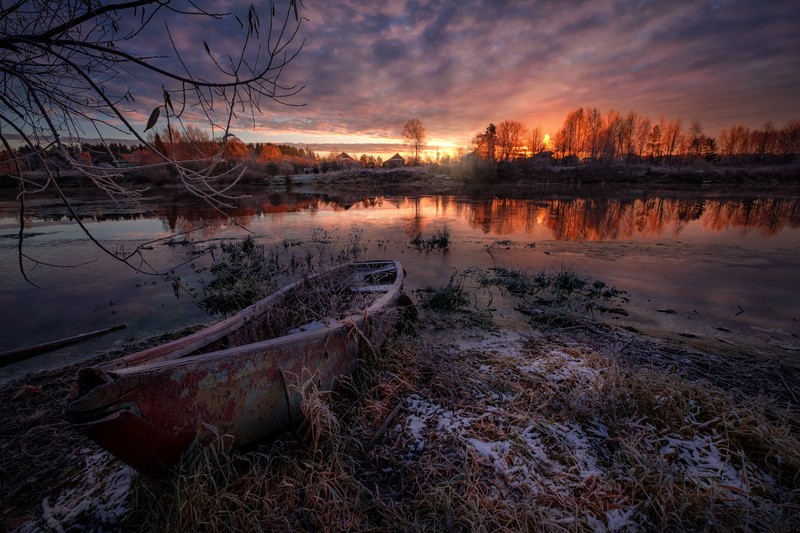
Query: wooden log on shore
(20, 354)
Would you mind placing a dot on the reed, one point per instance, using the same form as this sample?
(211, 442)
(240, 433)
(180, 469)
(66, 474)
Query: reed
(449, 297)
(554, 296)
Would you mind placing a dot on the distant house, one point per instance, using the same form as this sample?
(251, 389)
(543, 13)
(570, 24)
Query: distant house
(543, 159)
(344, 160)
(395, 161)
(469, 157)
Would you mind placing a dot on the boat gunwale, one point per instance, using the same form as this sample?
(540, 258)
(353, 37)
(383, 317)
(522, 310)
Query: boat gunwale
(179, 349)
(327, 328)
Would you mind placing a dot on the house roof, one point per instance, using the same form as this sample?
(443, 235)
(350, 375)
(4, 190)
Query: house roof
(344, 155)
(396, 157)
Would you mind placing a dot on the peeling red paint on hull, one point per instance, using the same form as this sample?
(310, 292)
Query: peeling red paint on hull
(148, 410)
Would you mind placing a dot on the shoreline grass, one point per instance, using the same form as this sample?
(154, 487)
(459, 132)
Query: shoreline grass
(462, 425)
(501, 435)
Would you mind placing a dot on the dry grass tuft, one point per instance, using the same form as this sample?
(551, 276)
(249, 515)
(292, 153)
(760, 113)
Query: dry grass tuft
(319, 421)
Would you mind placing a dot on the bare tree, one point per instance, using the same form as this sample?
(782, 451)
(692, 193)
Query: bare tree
(694, 140)
(734, 141)
(790, 139)
(75, 69)
(641, 135)
(765, 140)
(415, 137)
(510, 138)
(536, 141)
(594, 132)
(627, 140)
(571, 134)
(610, 143)
(654, 142)
(672, 136)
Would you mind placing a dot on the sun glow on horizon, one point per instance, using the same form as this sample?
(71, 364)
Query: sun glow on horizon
(353, 143)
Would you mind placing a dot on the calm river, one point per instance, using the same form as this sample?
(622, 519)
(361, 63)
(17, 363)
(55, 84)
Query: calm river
(727, 264)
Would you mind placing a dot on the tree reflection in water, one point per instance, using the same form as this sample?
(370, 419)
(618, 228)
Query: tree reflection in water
(719, 251)
(585, 218)
(592, 219)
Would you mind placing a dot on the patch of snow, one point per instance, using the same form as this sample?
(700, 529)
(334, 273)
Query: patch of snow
(311, 326)
(700, 459)
(495, 452)
(97, 503)
(506, 342)
(502, 397)
(623, 520)
(424, 415)
(558, 366)
(562, 450)
(616, 521)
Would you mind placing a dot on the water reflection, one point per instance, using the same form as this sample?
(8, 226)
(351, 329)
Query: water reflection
(579, 218)
(719, 234)
(615, 219)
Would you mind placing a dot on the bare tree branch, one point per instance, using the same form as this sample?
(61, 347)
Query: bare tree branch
(68, 67)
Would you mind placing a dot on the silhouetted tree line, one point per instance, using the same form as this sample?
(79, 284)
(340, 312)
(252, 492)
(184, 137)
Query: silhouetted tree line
(186, 146)
(589, 137)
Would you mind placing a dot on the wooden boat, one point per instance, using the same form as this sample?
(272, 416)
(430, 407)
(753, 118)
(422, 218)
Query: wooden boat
(239, 376)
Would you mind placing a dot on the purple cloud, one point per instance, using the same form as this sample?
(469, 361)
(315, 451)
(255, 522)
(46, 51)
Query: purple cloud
(457, 65)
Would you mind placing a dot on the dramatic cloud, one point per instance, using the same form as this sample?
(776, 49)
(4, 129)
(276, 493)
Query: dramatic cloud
(457, 65)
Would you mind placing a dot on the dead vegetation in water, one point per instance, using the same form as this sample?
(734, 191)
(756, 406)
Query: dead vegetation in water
(439, 240)
(557, 292)
(245, 271)
(450, 297)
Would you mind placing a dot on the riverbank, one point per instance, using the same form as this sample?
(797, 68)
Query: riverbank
(474, 420)
(509, 178)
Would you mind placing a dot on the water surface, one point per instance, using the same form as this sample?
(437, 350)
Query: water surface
(725, 263)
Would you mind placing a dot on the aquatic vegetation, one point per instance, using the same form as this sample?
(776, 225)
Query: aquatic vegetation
(449, 297)
(440, 240)
(245, 271)
(548, 293)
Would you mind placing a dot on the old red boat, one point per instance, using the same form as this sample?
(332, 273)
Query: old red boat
(240, 376)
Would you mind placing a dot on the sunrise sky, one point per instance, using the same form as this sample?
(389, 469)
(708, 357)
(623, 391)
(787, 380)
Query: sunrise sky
(457, 65)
